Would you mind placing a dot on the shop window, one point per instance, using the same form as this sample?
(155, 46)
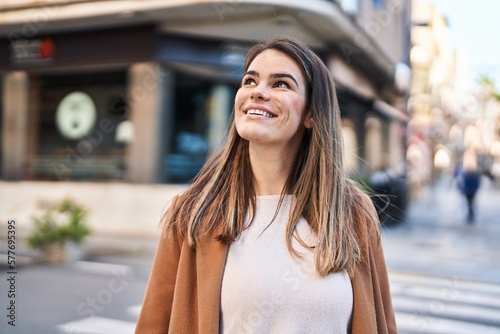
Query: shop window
(78, 117)
(201, 106)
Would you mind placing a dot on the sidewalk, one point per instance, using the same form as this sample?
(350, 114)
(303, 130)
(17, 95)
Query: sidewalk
(442, 205)
(95, 246)
(436, 240)
(123, 217)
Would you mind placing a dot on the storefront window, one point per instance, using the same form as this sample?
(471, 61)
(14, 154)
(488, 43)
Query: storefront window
(78, 117)
(201, 112)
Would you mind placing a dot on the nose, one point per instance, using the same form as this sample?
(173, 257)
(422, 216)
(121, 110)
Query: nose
(259, 92)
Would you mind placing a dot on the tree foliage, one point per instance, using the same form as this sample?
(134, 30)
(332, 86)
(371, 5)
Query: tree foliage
(487, 82)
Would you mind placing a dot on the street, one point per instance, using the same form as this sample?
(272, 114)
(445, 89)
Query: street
(109, 109)
(444, 275)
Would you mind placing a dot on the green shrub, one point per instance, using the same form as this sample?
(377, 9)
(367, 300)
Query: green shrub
(63, 222)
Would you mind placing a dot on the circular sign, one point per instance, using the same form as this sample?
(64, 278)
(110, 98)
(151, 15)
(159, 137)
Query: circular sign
(76, 115)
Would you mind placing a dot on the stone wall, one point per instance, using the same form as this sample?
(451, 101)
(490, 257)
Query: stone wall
(114, 208)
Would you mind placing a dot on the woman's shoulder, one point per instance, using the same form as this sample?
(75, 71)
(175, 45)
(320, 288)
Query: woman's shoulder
(170, 222)
(362, 204)
(366, 221)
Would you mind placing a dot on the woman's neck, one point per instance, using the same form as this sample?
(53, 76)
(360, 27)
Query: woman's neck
(271, 168)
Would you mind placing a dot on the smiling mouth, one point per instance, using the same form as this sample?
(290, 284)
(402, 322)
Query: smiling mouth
(260, 113)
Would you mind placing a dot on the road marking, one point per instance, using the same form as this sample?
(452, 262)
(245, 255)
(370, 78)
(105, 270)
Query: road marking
(439, 281)
(427, 304)
(457, 291)
(134, 310)
(447, 310)
(97, 325)
(415, 323)
(102, 268)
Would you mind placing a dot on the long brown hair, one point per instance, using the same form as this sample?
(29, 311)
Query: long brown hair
(337, 211)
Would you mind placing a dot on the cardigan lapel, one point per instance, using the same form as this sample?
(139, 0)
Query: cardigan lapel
(210, 262)
(363, 314)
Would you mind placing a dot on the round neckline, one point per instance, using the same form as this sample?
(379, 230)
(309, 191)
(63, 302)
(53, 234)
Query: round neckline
(273, 196)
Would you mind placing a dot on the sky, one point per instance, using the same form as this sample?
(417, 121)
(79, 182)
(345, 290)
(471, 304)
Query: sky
(475, 30)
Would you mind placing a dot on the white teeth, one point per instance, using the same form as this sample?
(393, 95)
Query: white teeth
(259, 112)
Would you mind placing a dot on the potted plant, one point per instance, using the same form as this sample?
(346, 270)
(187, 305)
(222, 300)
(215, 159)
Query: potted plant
(59, 231)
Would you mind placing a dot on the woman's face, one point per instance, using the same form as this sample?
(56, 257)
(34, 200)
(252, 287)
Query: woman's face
(270, 104)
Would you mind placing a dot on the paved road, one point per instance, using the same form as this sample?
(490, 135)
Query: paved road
(445, 276)
(436, 239)
(445, 273)
(101, 294)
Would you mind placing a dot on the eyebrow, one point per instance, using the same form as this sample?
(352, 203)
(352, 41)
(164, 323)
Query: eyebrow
(275, 75)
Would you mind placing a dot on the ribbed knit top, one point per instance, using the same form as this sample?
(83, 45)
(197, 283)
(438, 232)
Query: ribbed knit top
(267, 290)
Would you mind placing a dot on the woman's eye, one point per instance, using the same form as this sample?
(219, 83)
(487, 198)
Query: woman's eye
(281, 84)
(248, 82)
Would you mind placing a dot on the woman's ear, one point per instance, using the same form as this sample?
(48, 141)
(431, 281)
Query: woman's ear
(308, 122)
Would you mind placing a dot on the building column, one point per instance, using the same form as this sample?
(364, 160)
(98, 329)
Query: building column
(149, 92)
(396, 147)
(220, 109)
(374, 144)
(15, 124)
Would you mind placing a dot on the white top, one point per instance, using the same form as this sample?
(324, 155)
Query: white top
(266, 290)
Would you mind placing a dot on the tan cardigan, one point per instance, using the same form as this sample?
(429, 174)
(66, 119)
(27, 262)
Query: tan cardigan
(183, 292)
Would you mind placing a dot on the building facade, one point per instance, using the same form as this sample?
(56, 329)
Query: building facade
(432, 95)
(140, 92)
(451, 119)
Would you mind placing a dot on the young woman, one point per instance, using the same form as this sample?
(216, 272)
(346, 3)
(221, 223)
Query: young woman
(272, 236)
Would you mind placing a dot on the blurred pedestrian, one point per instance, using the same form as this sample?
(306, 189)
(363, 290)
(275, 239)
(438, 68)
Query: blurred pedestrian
(469, 181)
(272, 236)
